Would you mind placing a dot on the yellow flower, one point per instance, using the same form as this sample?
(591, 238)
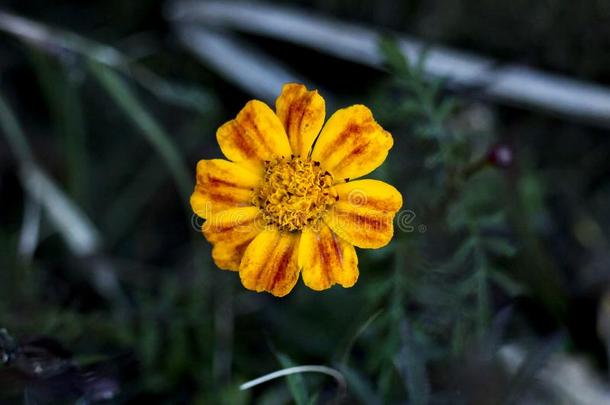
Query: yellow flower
(284, 202)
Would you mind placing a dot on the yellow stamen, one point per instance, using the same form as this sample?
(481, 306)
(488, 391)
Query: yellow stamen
(294, 193)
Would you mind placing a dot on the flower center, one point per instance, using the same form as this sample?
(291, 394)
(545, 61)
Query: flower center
(294, 193)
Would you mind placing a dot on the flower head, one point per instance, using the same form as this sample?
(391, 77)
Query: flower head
(285, 201)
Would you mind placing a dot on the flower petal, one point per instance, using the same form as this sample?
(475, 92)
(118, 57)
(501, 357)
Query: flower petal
(270, 263)
(231, 231)
(326, 259)
(364, 212)
(302, 113)
(352, 143)
(255, 135)
(221, 185)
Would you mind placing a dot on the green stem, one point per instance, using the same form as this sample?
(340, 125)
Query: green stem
(483, 300)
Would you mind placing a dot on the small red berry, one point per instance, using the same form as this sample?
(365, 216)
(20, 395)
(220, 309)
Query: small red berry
(500, 155)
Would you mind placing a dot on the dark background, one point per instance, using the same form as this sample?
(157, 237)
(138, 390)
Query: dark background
(510, 257)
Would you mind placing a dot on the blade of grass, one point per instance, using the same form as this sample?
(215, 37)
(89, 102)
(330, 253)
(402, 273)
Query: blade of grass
(72, 223)
(412, 366)
(118, 90)
(253, 71)
(30, 230)
(56, 41)
(295, 370)
(360, 387)
(296, 383)
(484, 77)
(13, 134)
(61, 92)
(128, 205)
(359, 332)
(77, 230)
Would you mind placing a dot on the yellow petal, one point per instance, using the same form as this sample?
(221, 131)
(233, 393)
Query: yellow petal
(326, 259)
(352, 143)
(231, 231)
(364, 212)
(302, 113)
(270, 263)
(255, 135)
(221, 185)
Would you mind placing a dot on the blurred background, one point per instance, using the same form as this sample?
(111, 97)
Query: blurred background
(494, 289)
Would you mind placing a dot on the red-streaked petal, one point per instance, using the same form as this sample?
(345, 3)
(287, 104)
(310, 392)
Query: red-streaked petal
(352, 143)
(302, 114)
(364, 212)
(325, 259)
(255, 135)
(222, 185)
(230, 232)
(270, 263)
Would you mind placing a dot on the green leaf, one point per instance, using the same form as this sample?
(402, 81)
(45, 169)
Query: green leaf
(394, 57)
(493, 220)
(296, 382)
(445, 108)
(463, 253)
(499, 246)
(314, 398)
(504, 281)
(360, 388)
(456, 217)
(411, 362)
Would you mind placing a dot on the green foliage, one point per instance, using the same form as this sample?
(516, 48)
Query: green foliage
(165, 324)
(126, 141)
(296, 382)
(457, 193)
